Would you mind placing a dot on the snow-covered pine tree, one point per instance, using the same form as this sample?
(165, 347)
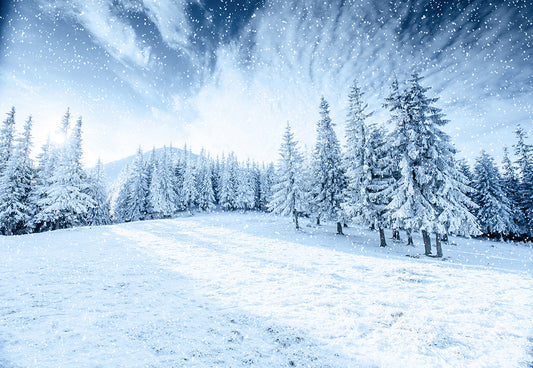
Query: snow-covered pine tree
(66, 203)
(228, 183)
(356, 154)
(494, 213)
(132, 199)
(328, 177)
(265, 186)
(245, 190)
(162, 196)
(47, 162)
(430, 194)
(16, 187)
(99, 214)
(6, 139)
(524, 162)
(189, 190)
(288, 197)
(394, 103)
(206, 194)
(511, 187)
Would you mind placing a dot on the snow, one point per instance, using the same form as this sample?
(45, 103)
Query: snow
(228, 290)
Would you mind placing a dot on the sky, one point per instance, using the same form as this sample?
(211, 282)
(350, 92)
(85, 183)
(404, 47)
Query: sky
(228, 75)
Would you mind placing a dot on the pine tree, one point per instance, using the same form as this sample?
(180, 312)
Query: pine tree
(132, 199)
(6, 139)
(288, 198)
(329, 179)
(524, 162)
(66, 203)
(47, 164)
(265, 186)
(162, 194)
(228, 183)
(511, 188)
(245, 190)
(206, 194)
(99, 214)
(16, 186)
(189, 190)
(494, 213)
(430, 194)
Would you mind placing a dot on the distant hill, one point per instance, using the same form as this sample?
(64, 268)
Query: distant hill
(112, 169)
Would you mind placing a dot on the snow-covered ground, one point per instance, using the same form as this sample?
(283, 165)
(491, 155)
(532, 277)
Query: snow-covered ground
(233, 290)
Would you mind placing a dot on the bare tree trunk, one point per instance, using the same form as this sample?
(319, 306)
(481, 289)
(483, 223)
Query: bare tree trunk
(409, 237)
(445, 237)
(382, 242)
(296, 220)
(318, 220)
(427, 242)
(438, 245)
(396, 234)
(339, 229)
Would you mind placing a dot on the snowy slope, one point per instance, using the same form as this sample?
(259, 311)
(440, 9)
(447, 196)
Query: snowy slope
(232, 290)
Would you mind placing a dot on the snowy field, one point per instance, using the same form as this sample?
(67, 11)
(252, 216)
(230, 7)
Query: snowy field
(233, 290)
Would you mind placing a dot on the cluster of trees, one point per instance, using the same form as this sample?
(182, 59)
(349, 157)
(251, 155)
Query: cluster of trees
(406, 177)
(402, 178)
(54, 193)
(166, 183)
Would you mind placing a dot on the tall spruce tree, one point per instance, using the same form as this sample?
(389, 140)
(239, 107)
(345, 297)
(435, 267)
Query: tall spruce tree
(162, 196)
(16, 187)
(7, 133)
(288, 196)
(524, 162)
(132, 199)
(206, 194)
(99, 214)
(66, 203)
(511, 187)
(329, 179)
(430, 194)
(494, 213)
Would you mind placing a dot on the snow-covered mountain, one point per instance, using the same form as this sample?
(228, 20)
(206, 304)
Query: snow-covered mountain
(112, 169)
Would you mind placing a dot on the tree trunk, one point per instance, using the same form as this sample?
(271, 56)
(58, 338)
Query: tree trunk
(318, 220)
(409, 237)
(427, 242)
(296, 220)
(445, 237)
(396, 234)
(382, 242)
(438, 245)
(339, 229)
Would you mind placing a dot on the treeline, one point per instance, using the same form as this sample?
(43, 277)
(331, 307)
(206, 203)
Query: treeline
(405, 177)
(402, 176)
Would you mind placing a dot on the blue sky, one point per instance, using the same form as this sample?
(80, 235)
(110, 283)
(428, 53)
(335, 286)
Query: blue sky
(228, 75)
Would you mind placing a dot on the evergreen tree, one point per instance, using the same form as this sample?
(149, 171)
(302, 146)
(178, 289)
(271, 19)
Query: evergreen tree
(66, 203)
(206, 194)
(16, 186)
(328, 176)
(132, 200)
(99, 214)
(524, 162)
(288, 198)
(47, 163)
(228, 183)
(511, 188)
(6, 139)
(162, 196)
(430, 194)
(189, 190)
(245, 190)
(265, 186)
(494, 213)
